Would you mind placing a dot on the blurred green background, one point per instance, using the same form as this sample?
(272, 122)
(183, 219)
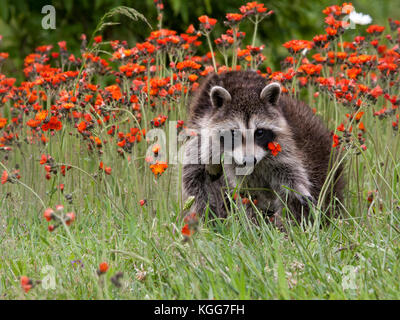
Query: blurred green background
(20, 22)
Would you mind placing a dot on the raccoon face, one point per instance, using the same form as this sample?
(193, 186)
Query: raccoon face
(246, 126)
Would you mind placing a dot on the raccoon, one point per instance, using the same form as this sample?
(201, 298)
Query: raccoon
(237, 116)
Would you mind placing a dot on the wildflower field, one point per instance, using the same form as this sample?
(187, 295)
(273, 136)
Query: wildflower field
(91, 204)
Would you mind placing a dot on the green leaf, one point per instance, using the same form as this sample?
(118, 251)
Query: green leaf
(280, 270)
(68, 6)
(176, 6)
(4, 12)
(189, 202)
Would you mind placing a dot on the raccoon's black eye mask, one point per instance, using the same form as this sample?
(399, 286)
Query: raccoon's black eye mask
(263, 136)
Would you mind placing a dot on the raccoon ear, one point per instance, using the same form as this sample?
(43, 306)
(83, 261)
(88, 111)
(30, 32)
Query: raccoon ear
(219, 96)
(271, 93)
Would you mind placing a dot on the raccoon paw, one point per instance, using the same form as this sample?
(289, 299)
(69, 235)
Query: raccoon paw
(306, 200)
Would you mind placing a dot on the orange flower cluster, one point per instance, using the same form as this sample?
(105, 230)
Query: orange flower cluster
(5, 177)
(207, 23)
(359, 76)
(158, 168)
(295, 46)
(58, 216)
(254, 8)
(191, 225)
(275, 148)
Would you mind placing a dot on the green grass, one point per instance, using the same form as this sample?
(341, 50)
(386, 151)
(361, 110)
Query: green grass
(354, 257)
(231, 259)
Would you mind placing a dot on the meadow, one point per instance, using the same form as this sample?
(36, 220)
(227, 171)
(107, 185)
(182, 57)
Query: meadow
(91, 209)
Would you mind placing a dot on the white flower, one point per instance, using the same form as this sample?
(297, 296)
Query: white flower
(359, 18)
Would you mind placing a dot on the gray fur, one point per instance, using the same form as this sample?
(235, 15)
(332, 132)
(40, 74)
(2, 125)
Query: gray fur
(294, 177)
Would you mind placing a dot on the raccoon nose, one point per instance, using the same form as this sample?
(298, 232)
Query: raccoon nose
(249, 161)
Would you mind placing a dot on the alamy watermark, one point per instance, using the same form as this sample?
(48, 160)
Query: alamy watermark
(206, 146)
(49, 277)
(349, 276)
(49, 20)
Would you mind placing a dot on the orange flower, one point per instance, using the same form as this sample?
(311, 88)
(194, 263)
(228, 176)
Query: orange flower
(336, 141)
(70, 217)
(33, 123)
(97, 141)
(188, 64)
(275, 148)
(122, 143)
(49, 214)
(340, 127)
(252, 8)
(53, 124)
(376, 92)
(98, 39)
(26, 283)
(3, 55)
(310, 68)
(331, 31)
(207, 23)
(82, 126)
(320, 40)
(131, 68)
(115, 91)
(3, 122)
(341, 55)
(44, 159)
(359, 115)
(4, 177)
(375, 29)
(190, 29)
(41, 115)
(186, 230)
(234, 17)
(156, 148)
(103, 267)
(298, 45)
(107, 170)
(353, 73)
(68, 105)
(158, 168)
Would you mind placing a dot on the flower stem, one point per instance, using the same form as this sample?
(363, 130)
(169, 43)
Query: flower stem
(235, 46)
(255, 32)
(212, 51)
(27, 187)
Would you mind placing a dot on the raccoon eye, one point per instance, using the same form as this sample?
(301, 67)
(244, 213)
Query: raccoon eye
(259, 133)
(263, 134)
